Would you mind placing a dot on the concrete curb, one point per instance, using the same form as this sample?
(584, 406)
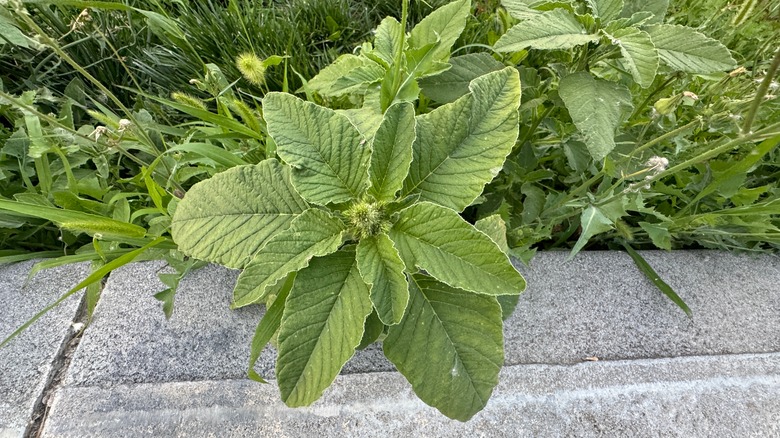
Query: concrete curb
(659, 373)
(31, 360)
(695, 396)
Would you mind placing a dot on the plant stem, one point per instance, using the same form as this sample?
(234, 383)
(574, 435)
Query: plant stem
(535, 125)
(665, 137)
(702, 157)
(399, 53)
(762, 90)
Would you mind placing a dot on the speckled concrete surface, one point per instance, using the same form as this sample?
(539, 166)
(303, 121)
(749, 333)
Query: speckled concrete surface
(599, 304)
(25, 363)
(660, 372)
(687, 397)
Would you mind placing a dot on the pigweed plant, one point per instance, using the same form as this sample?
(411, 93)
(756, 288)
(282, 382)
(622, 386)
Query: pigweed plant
(352, 237)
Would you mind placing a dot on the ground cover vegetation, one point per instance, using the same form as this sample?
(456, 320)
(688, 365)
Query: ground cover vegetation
(402, 151)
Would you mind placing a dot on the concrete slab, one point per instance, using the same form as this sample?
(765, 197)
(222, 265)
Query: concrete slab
(599, 304)
(26, 363)
(130, 341)
(724, 396)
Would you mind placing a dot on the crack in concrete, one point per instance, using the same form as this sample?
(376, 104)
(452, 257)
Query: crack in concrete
(59, 368)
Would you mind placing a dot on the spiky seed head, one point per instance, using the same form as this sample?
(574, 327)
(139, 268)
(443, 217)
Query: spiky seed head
(188, 99)
(367, 219)
(251, 66)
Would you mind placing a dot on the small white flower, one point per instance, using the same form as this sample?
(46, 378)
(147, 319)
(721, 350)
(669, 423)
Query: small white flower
(657, 164)
(691, 95)
(124, 124)
(98, 132)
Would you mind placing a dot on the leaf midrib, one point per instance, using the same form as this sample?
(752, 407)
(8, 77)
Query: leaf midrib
(451, 342)
(436, 248)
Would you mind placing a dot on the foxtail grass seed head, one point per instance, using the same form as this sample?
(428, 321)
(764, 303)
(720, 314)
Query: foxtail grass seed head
(188, 99)
(251, 67)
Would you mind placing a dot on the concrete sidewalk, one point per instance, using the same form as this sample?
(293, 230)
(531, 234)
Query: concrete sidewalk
(659, 372)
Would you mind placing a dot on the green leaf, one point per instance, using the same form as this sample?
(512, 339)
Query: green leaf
(267, 327)
(450, 85)
(495, 228)
(737, 170)
(227, 218)
(520, 9)
(552, 30)
(387, 39)
(214, 153)
(606, 10)
(461, 146)
(593, 221)
(684, 49)
(597, 108)
(392, 152)
(656, 7)
(442, 27)
(327, 153)
(321, 326)
(11, 34)
(372, 330)
(653, 276)
(347, 74)
(314, 233)
(224, 122)
(449, 346)
(91, 224)
(383, 270)
(438, 240)
(659, 234)
(639, 55)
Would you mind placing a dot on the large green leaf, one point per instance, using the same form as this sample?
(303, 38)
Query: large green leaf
(606, 10)
(438, 240)
(656, 7)
(450, 85)
(461, 146)
(449, 346)
(552, 30)
(314, 233)
(442, 27)
(597, 107)
(228, 217)
(321, 326)
(382, 268)
(684, 49)
(639, 55)
(327, 153)
(392, 152)
(347, 74)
